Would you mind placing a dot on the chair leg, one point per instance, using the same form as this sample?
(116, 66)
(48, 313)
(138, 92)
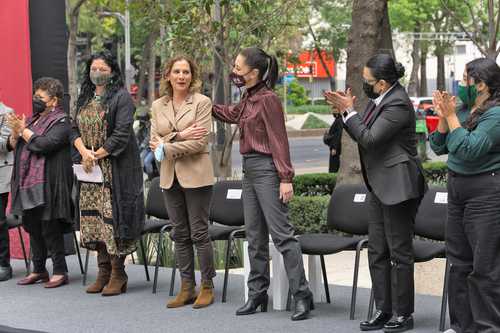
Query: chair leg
(359, 247)
(370, 305)
(325, 278)
(444, 301)
(159, 255)
(289, 300)
(86, 269)
(77, 247)
(172, 279)
(145, 259)
(226, 267)
(23, 248)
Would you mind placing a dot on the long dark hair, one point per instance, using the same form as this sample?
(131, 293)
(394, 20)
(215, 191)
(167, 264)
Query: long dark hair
(265, 63)
(487, 71)
(88, 88)
(384, 67)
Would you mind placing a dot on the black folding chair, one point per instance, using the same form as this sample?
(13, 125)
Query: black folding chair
(71, 245)
(14, 222)
(430, 223)
(347, 213)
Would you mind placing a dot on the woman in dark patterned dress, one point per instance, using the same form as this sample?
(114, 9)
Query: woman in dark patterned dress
(112, 212)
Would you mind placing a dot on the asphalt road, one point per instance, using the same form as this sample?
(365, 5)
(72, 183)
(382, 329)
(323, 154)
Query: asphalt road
(308, 155)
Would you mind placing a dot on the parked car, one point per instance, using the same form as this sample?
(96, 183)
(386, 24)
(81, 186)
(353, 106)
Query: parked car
(424, 107)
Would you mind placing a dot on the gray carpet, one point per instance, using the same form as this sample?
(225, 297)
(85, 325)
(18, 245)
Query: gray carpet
(69, 309)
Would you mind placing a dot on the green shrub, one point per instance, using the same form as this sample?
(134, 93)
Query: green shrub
(296, 93)
(308, 214)
(321, 109)
(314, 184)
(313, 122)
(436, 172)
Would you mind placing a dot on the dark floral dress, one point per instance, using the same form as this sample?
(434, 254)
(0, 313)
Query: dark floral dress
(96, 212)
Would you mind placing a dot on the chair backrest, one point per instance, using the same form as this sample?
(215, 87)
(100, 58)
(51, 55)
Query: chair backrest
(431, 215)
(155, 202)
(226, 207)
(348, 210)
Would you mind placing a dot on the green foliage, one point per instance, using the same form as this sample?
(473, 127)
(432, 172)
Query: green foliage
(314, 184)
(319, 109)
(337, 14)
(308, 214)
(296, 95)
(313, 122)
(436, 172)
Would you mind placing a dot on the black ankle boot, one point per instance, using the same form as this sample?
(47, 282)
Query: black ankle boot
(252, 304)
(303, 307)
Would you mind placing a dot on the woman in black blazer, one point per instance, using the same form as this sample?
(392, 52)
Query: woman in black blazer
(385, 134)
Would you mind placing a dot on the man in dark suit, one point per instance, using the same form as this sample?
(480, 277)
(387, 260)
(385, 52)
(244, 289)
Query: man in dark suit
(333, 139)
(386, 138)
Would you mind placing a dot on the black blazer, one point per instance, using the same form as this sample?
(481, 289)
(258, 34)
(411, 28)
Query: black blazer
(387, 148)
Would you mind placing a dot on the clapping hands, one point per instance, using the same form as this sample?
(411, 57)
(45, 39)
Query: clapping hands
(339, 100)
(445, 104)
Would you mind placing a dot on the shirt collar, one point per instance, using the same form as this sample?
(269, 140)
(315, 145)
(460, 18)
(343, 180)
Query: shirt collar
(253, 90)
(379, 99)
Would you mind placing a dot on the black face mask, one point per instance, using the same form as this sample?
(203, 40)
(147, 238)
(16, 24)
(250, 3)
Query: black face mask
(38, 106)
(368, 89)
(238, 80)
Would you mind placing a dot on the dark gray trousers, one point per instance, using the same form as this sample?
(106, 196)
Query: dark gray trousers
(266, 214)
(390, 255)
(188, 210)
(473, 250)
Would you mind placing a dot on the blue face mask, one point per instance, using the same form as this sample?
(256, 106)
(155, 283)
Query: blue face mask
(159, 153)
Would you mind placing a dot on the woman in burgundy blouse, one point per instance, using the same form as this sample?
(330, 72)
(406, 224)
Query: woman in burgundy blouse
(267, 181)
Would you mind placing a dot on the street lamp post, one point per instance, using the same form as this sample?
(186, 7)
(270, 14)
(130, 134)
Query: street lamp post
(125, 22)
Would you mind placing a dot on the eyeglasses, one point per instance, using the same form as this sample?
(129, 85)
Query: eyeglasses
(370, 82)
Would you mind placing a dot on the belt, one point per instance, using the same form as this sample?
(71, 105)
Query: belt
(487, 173)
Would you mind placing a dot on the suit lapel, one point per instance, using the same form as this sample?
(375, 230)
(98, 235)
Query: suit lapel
(169, 111)
(385, 100)
(186, 107)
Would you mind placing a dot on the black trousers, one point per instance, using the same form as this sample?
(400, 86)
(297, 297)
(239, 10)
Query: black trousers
(45, 237)
(473, 250)
(390, 255)
(4, 232)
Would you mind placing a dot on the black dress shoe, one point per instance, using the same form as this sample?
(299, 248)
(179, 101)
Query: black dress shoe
(252, 304)
(377, 322)
(303, 307)
(399, 324)
(5, 273)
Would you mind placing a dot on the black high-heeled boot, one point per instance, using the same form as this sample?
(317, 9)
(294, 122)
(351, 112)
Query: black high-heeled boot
(303, 307)
(252, 304)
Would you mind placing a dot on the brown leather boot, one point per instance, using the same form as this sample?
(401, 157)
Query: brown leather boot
(118, 281)
(206, 295)
(187, 295)
(104, 273)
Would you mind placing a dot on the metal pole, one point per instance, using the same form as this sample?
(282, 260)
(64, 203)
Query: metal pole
(128, 66)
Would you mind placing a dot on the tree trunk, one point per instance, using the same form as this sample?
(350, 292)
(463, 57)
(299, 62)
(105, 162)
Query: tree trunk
(151, 76)
(73, 14)
(415, 56)
(221, 148)
(441, 79)
(423, 70)
(144, 65)
(369, 34)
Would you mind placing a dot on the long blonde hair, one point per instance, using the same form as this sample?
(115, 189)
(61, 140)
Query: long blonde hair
(165, 85)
